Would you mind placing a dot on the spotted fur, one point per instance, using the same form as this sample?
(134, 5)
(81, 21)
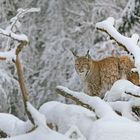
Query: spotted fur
(98, 76)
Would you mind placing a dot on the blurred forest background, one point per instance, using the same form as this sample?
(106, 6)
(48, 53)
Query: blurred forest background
(60, 26)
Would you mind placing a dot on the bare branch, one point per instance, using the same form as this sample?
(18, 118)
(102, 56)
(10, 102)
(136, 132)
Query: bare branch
(21, 82)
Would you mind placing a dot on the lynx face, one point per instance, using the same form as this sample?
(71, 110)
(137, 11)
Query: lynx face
(82, 66)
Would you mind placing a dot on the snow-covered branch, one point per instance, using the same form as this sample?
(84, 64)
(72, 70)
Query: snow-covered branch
(17, 126)
(78, 101)
(101, 108)
(10, 31)
(131, 44)
(123, 96)
(13, 54)
(125, 109)
(39, 119)
(70, 114)
(121, 90)
(12, 35)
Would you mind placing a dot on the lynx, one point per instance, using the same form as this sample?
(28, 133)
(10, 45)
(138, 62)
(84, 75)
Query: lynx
(98, 76)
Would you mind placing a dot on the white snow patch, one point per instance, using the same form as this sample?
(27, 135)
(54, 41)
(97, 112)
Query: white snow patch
(101, 107)
(117, 91)
(12, 126)
(67, 116)
(39, 134)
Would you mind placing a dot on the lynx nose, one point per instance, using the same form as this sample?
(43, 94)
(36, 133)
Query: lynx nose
(81, 71)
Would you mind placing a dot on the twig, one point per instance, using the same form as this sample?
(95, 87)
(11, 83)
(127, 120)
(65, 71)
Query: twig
(67, 95)
(129, 93)
(113, 38)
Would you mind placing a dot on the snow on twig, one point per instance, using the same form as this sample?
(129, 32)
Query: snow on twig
(15, 23)
(125, 109)
(122, 89)
(39, 118)
(131, 44)
(9, 55)
(17, 126)
(122, 97)
(11, 30)
(101, 108)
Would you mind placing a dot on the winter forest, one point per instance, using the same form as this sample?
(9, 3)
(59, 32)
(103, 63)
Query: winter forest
(44, 92)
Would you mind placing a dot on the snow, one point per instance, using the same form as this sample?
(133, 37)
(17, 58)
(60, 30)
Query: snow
(11, 29)
(18, 37)
(117, 129)
(39, 134)
(28, 10)
(79, 123)
(130, 43)
(17, 126)
(75, 134)
(8, 55)
(119, 89)
(14, 22)
(125, 109)
(101, 108)
(77, 119)
(37, 117)
(66, 116)
(109, 126)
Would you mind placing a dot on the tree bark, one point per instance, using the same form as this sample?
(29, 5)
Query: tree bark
(21, 82)
(67, 95)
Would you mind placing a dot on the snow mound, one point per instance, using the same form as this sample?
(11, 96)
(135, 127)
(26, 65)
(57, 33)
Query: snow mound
(67, 116)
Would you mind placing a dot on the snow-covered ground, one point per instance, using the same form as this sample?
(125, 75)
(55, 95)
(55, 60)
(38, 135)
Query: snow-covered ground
(77, 123)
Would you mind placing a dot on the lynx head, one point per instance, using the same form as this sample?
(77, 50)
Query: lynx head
(82, 64)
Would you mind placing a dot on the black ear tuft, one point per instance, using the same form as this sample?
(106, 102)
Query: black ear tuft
(74, 53)
(88, 55)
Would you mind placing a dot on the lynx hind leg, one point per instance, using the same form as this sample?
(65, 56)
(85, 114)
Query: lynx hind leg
(125, 66)
(134, 78)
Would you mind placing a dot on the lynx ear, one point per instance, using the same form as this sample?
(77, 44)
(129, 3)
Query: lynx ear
(88, 55)
(74, 54)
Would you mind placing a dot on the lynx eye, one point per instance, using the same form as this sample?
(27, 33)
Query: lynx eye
(76, 64)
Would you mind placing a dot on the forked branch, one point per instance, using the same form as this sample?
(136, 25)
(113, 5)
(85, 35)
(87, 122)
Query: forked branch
(13, 54)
